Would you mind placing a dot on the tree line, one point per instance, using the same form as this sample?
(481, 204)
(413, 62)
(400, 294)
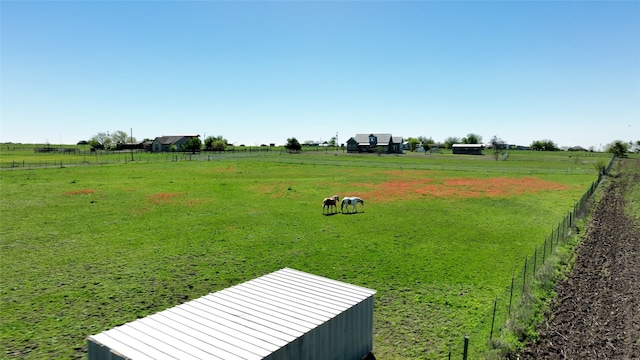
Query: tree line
(219, 143)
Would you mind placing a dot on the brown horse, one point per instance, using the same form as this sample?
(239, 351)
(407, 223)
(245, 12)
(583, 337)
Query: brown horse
(330, 202)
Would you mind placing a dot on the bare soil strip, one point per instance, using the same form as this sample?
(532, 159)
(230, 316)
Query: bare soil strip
(596, 314)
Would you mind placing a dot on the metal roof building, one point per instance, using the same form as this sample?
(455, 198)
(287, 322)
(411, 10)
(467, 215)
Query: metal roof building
(467, 149)
(287, 314)
(371, 142)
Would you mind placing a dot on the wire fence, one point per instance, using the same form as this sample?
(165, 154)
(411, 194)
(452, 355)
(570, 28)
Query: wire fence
(507, 308)
(106, 157)
(267, 154)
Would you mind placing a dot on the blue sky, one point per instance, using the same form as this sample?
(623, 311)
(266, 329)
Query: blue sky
(259, 72)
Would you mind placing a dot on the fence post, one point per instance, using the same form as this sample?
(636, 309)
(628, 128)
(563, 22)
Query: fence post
(535, 258)
(466, 347)
(558, 233)
(524, 274)
(571, 219)
(493, 319)
(511, 294)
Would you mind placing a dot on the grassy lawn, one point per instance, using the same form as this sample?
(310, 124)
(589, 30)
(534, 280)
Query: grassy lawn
(87, 248)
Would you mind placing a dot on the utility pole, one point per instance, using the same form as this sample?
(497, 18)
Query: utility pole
(131, 142)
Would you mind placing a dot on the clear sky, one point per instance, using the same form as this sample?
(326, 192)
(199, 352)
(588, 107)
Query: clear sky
(259, 72)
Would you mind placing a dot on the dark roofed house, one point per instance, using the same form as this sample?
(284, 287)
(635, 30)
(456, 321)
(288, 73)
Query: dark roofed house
(170, 143)
(370, 143)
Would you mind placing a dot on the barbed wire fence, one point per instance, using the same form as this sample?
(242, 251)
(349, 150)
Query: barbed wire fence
(511, 309)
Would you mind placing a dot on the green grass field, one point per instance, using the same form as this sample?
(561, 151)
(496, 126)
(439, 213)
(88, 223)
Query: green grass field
(87, 248)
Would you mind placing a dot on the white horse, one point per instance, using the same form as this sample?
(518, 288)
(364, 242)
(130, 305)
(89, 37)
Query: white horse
(331, 202)
(352, 202)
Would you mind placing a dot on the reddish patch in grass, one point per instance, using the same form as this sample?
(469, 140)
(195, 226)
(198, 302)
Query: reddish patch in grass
(407, 173)
(194, 202)
(161, 198)
(456, 188)
(79, 192)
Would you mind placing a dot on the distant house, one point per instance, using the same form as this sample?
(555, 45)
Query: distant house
(170, 143)
(467, 149)
(369, 143)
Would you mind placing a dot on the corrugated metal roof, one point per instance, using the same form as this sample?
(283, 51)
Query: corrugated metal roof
(467, 145)
(247, 321)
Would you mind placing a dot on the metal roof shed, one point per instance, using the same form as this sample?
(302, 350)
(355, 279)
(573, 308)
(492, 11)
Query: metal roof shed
(287, 314)
(467, 149)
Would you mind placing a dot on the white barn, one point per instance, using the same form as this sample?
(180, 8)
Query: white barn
(287, 314)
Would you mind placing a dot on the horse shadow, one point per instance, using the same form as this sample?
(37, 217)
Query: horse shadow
(330, 214)
(353, 213)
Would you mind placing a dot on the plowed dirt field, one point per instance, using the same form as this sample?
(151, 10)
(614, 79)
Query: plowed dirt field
(596, 314)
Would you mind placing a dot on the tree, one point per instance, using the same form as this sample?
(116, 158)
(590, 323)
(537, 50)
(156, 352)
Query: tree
(210, 143)
(472, 139)
(497, 146)
(101, 138)
(618, 148)
(333, 141)
(448, 142)
(425, 140)
(117, 137)
(293, 145)
(600, 166)
(544, 145)
(413, 143)
(193, 144)
(120, 137)
(93, 142)
(218, 145)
